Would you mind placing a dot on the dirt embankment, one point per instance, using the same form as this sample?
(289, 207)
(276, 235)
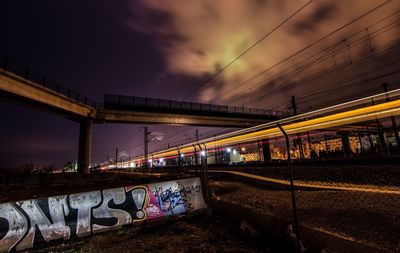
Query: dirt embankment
(371, 218)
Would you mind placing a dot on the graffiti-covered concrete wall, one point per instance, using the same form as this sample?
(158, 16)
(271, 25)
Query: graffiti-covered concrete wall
(25, 223)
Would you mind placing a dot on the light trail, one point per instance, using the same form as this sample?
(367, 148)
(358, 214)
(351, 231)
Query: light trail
(315, 185)
(350, 116)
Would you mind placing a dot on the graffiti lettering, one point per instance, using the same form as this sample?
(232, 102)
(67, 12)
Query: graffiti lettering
(105, 212)
(82, 214)
(84, 202)
(16, 226)
(175, 200)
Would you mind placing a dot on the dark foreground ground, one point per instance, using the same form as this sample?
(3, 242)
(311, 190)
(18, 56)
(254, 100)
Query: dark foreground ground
(369, 218)
(200, 233)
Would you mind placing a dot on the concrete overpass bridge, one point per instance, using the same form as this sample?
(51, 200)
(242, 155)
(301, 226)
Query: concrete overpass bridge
(20, 85)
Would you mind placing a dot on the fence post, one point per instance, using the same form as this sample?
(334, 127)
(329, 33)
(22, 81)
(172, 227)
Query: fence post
(295, 221)
(204, 174)
(179, 161)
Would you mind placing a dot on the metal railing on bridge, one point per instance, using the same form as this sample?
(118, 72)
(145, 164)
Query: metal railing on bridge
(20, 70)
(120, 102)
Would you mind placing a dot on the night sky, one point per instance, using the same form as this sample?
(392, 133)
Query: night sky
(165, 49)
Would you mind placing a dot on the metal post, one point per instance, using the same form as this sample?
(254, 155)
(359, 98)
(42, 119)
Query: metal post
(204, 174)
(393, 119)
(179, 161)
(116, 157)
(299, 142)
(216, 155)
(197, 135)
(195, 157)
(206, 167)
(382, 148)
(146, 147)
(266, 150)
(296, 228)
(344, 135)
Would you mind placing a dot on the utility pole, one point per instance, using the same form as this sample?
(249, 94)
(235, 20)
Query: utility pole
(293, 105)
(393, 119)
(299, 142)
(216, 151)
(116, 157)
(146, 147)
(382, 148)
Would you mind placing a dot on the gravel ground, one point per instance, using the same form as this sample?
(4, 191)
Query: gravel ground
(371, 218)
(200, 233)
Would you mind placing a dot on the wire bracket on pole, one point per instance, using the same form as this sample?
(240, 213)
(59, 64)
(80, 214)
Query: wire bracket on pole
(295, 221)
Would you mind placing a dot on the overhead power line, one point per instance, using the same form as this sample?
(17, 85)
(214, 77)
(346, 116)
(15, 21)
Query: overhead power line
(246, 51)
(310, 45)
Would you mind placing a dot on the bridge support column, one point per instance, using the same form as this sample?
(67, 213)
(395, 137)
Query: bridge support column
(85, 146)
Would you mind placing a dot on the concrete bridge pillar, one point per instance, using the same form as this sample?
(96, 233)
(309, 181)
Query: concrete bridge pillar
(85, 145)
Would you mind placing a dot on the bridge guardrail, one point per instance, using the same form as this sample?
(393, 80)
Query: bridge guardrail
(20, 70)
(121, 102)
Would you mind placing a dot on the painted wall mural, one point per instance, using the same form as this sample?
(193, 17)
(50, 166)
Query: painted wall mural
(26, 223)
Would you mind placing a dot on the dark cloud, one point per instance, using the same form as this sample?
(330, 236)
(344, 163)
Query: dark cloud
(310, 23)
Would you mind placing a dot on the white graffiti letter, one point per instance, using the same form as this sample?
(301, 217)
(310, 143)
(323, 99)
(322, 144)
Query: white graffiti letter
(50, 231)
(58, 209)
(84, 203)
(17, 226)
(104, 211)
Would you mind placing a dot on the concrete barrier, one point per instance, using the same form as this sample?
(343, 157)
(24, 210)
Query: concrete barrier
(26, 223)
